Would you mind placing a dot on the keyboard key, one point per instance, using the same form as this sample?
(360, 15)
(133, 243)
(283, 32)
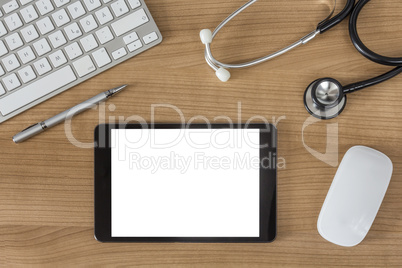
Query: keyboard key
(11, 62)
(134, 46)
(150, 38)
(101, 57)
(89, 43)
(24, 2)
(44, 6)
(119, 8)
(57, 39)
(57, 58)
(42, 66)
(134, 3)
(45, 25)
(88, 23)
(42, 47)
(3, 30)
(119, 53)
(10, 6)
(104, 15)
(27, 74)
(73, 51)
(29, 14)
(92, 4)
(37, 90)
(130, 22)
(76, 10)
(84, 66)
(104, 35)
(3, 49)
(60, 3)
(13, 21)
(1, 14)
(60, 17)
(11, 82)
(14, 41)
(73, 31)
(2, 72)
(29, 33)
(130, 38)
(2, 90)
(26, 55)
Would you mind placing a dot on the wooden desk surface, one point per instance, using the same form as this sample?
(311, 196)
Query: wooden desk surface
(46, 184)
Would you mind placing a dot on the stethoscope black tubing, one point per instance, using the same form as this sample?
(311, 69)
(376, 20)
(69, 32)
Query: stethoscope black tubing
(372, 82)
(326, 25)
(369, 54)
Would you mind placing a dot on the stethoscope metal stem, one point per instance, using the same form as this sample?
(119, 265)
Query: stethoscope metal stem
(231, 16)
(214, 63)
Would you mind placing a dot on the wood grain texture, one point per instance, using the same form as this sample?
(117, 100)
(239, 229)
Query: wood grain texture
(46, 184)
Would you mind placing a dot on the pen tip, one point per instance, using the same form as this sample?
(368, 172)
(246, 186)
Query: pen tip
(118, 89)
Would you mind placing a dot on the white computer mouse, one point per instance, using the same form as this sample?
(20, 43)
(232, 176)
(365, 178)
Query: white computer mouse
(355, 196)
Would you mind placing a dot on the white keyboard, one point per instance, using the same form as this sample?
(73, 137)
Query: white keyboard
(49, 46)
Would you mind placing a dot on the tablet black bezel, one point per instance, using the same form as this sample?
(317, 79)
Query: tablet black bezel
(102, 185)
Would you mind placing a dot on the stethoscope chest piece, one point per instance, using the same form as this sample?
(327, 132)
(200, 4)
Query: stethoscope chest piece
(324, 98)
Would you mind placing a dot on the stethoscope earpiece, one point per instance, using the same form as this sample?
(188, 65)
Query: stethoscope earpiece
(206, 36)
(324, 98)
(223, 74)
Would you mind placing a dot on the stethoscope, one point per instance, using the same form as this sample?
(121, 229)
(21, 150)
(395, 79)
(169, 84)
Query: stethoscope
(324, 98)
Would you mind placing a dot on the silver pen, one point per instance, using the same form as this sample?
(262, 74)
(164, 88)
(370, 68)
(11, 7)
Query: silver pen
(55, 120)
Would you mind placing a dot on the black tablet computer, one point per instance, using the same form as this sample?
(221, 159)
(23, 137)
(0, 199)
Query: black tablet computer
(185, 183)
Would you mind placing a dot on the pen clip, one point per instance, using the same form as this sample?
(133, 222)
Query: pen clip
(30, 127)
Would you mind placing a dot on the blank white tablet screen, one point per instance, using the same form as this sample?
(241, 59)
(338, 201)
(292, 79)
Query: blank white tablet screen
(185, 183)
